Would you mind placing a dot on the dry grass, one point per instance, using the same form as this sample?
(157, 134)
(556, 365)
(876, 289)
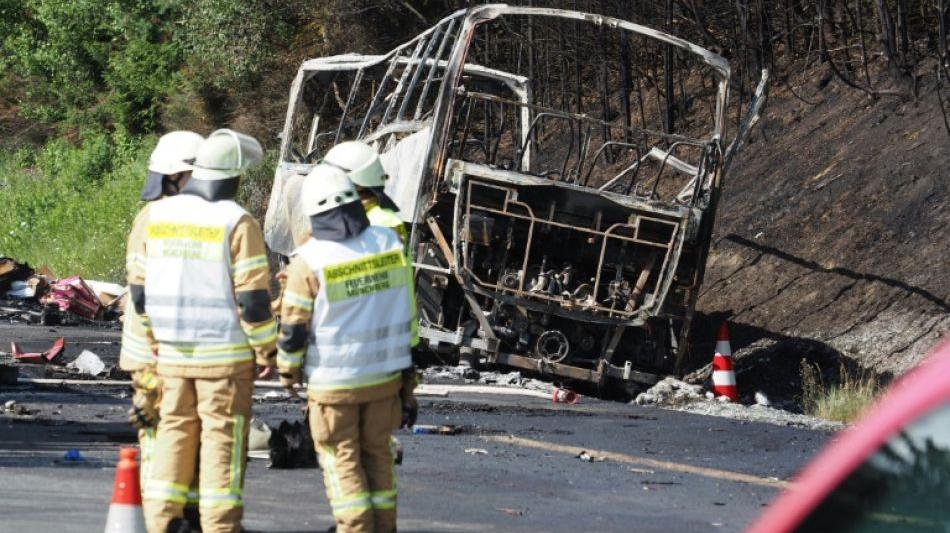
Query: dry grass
(843, 401)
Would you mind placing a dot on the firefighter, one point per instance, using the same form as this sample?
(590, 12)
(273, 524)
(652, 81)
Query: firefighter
(205, 297)
(362, 165)
(349, 292)
(168, 169)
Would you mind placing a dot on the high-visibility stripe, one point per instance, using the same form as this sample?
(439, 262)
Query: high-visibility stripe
(185, 231)
(218, 497)
(214, 354)
(392, 456)
(355, 383)
(330, 358)
(341, 338)
(375, 280)
(136, 348)
(263, 334)
(148, 380)
(298, 301)
(349, 504)
(385, 499)
(724, 377)
(147, 444)
(179, 301)
(247, 265)
(237, 454)
(176, 321)
(165, 491)
(413, 312)
(328, 460)
(363, 266)
(290, 359)
(134, 340)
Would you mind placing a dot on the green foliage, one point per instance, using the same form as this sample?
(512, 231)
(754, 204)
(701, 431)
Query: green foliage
(843, 401)
(70, 207)
(256, 184)
(89, 60)
(91, 80)
(230, 42)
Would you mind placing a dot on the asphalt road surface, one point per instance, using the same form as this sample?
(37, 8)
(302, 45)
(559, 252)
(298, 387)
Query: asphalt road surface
(514, 467)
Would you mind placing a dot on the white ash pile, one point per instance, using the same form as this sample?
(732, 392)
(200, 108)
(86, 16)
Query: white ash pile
(682, 396)
(446, 374)
(671, 392)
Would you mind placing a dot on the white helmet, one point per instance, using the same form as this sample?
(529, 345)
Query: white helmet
(325, 188)
(360, 162)
(226, 154)
(174, 152)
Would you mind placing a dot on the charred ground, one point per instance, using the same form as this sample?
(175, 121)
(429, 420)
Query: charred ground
(833, 228)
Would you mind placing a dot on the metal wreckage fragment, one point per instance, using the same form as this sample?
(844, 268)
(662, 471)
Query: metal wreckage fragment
(561, 206)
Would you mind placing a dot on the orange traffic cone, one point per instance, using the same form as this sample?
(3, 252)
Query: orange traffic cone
(723, 376)
(125, 511)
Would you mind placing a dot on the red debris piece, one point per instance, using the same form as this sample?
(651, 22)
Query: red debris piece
(73, 295)
(39, 358)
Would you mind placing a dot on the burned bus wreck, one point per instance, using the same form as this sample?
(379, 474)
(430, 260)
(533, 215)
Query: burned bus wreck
(561, 188)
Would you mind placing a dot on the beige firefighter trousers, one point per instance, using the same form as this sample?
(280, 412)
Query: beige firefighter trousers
(214, 413)
(354, 443)
(147, 443)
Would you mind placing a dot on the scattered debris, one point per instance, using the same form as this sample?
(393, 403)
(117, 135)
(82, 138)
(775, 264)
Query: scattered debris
(109, 294)
(437, 374)
(588, 458)
(88, 363)
(21, 290)
(291, 446)
(762, 399)
(48, 356)
(12, 271)
(476, 451)
(445, 429)
(21, 313)
(683, 396)
(258, 437)
(641, 470)
(74, 295)
(399, 452)
(671, 391)
(11, 407)
(72, 455)
(563, 396)
(512, 512)
(271, 396)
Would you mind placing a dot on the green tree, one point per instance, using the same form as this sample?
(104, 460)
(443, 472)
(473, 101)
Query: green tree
(89, 61)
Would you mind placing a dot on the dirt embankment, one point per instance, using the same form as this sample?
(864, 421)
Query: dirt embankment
(834, 229)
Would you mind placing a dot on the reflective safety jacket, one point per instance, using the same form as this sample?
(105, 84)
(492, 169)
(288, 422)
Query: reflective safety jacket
(357, 296)
(387, 218)
(138, 344)
(200, 258)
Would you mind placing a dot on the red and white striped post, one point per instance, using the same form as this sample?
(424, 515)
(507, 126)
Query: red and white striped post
(723, 375)
(125, 511)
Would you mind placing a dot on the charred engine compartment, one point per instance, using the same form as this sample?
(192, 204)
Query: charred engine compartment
(566, 276)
